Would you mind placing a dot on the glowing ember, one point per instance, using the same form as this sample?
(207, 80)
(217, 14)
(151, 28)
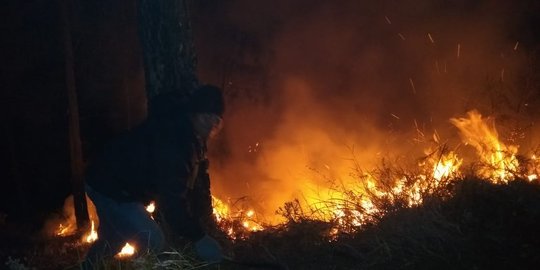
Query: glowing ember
(64, 230)
(533, 168)
(127, 251)
(333, 234)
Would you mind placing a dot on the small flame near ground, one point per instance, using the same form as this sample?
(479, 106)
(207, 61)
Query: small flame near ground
(92, 235)
(150, 208)
(66, 225)
(127, 251)
(69, 226)
(227, 219)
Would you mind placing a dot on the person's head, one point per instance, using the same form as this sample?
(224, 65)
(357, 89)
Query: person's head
(207, 106)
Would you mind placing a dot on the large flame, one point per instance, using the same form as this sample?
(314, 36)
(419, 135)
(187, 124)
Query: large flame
(352, 201)
(500, 163)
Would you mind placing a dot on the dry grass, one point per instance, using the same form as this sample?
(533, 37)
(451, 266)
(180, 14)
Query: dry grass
(476, 225)
(481, 226)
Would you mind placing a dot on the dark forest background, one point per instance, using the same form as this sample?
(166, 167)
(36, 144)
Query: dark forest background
(34, 144)
(35, 155)
(230, 40)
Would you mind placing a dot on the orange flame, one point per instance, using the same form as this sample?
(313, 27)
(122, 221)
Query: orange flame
(224, 216)
(92, 236)
(353, 202)
(68, 225)
(447, 166)
(481, 134)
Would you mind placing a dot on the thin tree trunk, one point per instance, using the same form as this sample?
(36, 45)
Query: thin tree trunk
(77, 170)
(166, 37)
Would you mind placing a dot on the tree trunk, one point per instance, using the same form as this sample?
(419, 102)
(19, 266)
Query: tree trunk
(170, 66)
(77, 178)
(166, 38)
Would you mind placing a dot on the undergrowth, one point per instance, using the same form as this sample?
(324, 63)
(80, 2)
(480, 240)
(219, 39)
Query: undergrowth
(476, 225)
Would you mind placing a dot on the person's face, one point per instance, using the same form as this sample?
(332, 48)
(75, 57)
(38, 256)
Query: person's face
(207, 125)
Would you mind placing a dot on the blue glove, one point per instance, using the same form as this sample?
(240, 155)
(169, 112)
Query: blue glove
(209, 249)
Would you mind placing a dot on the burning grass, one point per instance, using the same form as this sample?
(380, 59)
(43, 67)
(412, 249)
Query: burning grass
(464, 223)
(476, 225)
(442, 213)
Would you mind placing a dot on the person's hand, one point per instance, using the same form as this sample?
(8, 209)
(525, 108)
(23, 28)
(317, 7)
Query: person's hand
(209, 249)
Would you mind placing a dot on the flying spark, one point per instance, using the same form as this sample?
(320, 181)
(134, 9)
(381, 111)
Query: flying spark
(412, 85)
(430, 38)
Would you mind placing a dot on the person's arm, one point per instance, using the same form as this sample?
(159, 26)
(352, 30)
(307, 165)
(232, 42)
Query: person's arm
(172, 155)
(200, 196)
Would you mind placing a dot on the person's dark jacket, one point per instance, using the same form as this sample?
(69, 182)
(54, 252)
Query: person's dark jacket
(155, 161)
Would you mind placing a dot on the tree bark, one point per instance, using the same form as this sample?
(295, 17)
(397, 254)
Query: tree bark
(77, 177)
(169, 58)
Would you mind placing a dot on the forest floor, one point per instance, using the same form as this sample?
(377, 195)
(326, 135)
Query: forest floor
(481, 226)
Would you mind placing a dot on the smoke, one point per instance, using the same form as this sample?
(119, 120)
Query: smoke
(314, 85)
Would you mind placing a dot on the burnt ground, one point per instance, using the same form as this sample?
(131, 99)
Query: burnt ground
(482, 226)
